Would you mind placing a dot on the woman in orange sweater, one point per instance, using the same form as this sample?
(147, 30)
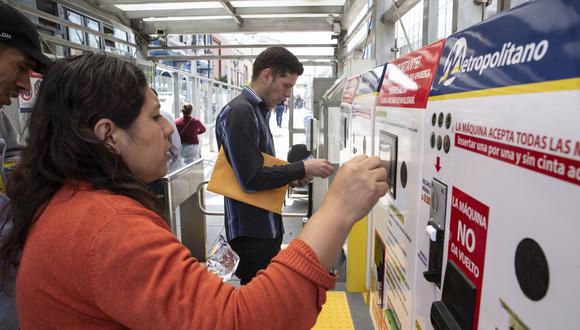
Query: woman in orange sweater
(95, 251)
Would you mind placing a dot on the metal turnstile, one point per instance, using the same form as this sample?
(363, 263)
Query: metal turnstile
(187, 222)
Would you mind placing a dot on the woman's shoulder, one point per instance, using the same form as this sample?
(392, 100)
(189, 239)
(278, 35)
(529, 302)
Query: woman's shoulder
(94, 205)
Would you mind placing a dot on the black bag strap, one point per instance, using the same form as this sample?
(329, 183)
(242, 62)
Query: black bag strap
(184, 127)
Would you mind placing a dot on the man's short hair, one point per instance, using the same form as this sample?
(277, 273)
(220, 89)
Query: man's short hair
(280, 60)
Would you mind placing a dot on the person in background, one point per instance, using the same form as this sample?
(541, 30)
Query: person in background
(20, 52)
(243, 132)
(189, 128)
(299, 102)
(280, 108)
(176, 161)
(96, 253)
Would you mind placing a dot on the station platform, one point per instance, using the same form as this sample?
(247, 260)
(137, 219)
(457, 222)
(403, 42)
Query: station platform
(343, 310)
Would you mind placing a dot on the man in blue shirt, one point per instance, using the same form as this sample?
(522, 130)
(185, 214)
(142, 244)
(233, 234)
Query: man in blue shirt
(242, 130)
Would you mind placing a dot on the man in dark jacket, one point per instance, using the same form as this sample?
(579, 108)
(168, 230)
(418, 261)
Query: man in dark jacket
(242, 130)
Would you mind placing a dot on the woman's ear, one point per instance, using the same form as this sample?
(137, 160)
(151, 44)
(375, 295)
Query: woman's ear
(107, 131)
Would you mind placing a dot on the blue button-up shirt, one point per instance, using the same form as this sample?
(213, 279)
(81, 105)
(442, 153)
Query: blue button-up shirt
(242, 130)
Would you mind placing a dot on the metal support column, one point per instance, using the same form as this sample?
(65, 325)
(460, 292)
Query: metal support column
(175, 82)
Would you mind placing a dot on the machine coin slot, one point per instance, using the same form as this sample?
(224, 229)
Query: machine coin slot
(436, 232)
(457, 305)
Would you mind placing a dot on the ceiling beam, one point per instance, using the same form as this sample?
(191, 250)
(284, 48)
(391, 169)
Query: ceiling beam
(232, 11)
(250, 25)
(241, 46)
(230, 57)
(240, 11)
(132, 2)
(66, 43)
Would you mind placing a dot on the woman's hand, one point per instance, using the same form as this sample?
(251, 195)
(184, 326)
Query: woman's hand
(356, 188)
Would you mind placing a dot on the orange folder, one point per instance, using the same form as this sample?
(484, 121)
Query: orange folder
(223, 181)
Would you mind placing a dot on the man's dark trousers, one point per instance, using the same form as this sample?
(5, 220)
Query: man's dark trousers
(255, 254)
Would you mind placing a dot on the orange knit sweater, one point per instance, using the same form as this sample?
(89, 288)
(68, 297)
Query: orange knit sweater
(95, 260)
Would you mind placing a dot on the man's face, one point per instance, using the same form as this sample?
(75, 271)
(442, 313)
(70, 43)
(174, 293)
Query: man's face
(279, 88)
(15, 66)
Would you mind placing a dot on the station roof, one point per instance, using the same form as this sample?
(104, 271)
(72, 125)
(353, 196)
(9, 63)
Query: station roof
(203, 16)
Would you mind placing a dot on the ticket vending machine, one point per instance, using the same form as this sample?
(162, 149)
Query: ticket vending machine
(329, 143)
(500, 179)
(361, 142)
(345, 126)
(399, 137)
(330, 119)
(363, 111)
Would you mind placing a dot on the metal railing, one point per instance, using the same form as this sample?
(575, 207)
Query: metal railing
(204, 210)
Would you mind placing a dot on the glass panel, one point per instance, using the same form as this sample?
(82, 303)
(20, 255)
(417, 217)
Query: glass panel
(184, 89)
(204, 101)
(413, 22)
(120, 34)
(445, 16)
(74, 17)
(164, 87)
(148, 71)
(75, 35)
(165, 84)
(357, 19)
(359, 36)
(109, 44)
(94, 41)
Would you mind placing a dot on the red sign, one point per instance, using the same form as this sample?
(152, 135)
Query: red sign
(407, 81)
(467, 238)
(350, 90)
(562, 168)
(26, 99)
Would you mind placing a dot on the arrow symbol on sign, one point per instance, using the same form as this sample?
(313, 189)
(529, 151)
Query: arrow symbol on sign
(437, 164)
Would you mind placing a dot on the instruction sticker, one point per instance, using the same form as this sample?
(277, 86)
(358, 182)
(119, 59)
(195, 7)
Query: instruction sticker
(468, 235)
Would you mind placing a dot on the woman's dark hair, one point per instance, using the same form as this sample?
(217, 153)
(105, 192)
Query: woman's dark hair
(62, 146)
(186, 109)
(280, 60)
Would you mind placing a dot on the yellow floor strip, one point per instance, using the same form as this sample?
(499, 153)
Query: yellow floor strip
(335, 313)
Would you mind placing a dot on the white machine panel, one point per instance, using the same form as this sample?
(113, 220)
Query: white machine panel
(363, 111)
(501, 175)
(399, 140)
(346, 118)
